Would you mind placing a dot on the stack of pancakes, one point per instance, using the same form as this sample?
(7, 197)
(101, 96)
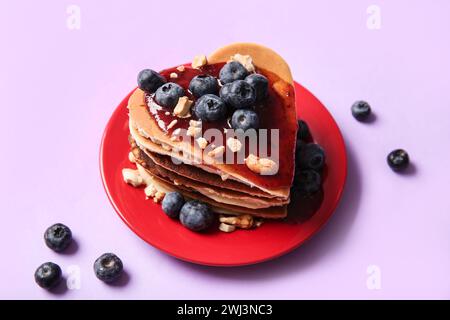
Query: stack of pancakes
(217, 184)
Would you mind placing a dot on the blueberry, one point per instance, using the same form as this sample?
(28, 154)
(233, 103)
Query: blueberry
(196, 215)
(210, 108)
(172, 203)
(244, 119)
(398, 160)
(108, 267)
(168, 94)
(303, 131)
(232, 71)
(361, 110)
(48, 275)
(58, 237)
(307, 182)
(238, 94)
(203, 84)
(149, 80)
(310, 156)
(260, 84)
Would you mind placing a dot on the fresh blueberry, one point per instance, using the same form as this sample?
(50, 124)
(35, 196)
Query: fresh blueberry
(48, 275)
(58, 237)
(361, 110)
(303, 131)
(168, 94)
(260, 84)
(210, 108)
(238, 94)
(203, 84)
(244, 119)
(398, 160)
(108, 267)
(310, 156)
(232, 71)
(172, 203)
(196, 215)
(149, 80)
(307, 182)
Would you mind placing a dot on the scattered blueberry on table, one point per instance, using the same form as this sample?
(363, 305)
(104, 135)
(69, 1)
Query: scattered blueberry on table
(108, 267)
(361, 110)
(58, 237)
(172, 203)
(196, 215)
(398, 160)
(48, 275)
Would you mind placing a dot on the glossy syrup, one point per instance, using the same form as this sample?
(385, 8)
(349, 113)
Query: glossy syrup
(272, 112)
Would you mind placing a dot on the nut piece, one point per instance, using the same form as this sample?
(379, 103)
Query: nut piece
(150, 191)
(172, 124)
(244, 221)
(217, 152)
(183, 106)
(263, 166)
(202, 142)
(194, 132)
(173, 75)
(181, 68)
(194, 123)
(245, 60)
(199, 61)
(132, 177)
(226, 227)
(234, 144)
(159, 196)
(131, 157)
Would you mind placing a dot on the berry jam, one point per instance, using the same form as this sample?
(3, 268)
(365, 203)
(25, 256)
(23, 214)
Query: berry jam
(274, 113)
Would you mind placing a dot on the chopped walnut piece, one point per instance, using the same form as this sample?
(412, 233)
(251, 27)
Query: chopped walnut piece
(194, 132)
(217, 152)
(199, 61)
(194, 123)
(226, 227)
(244, 221)
(202, 142)
(150, 191)
(183, 107)
(159, 196)
(245, 60)
(234, 144)
(132, 177)
(263, 166)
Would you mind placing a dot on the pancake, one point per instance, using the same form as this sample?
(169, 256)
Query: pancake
(165, 186)
(231, 188)
(216, 193)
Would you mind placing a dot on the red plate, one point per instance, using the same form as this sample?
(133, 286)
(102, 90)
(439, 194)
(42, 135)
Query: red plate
(216, 248)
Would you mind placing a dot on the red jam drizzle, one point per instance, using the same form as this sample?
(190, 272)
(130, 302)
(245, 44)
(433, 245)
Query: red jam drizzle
(272, 112)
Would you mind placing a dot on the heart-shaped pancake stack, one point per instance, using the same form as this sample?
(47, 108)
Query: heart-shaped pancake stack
(194, 146)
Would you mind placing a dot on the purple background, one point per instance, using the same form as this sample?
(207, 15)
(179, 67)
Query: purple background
(59, 87)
